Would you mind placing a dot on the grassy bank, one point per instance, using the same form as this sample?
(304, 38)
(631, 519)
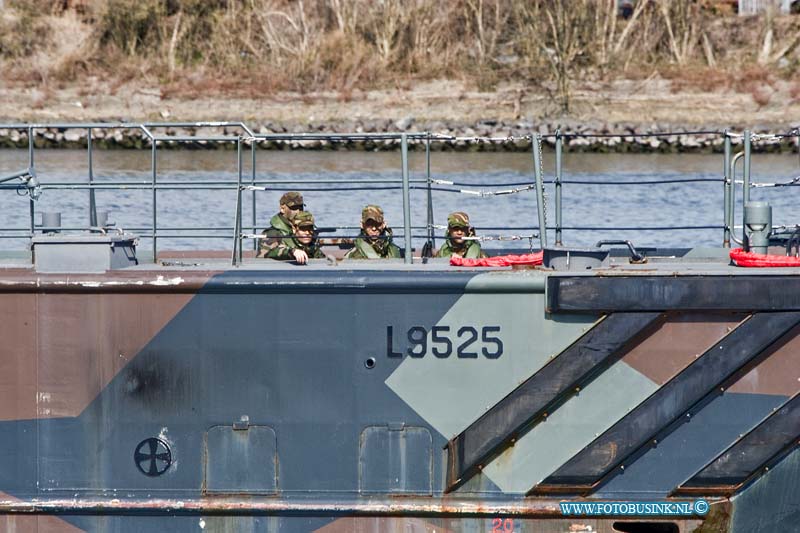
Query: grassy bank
(258, 48)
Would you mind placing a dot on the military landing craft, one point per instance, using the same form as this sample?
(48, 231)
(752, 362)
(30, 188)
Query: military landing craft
(609, 389)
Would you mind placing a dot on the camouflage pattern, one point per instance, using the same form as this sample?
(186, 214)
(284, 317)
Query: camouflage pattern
(292, 199)
(284, 251)
(372, 212)
(303, 219)
(280, 227)
(367, 247)
(459, 219)
(468, 249)
(390, 397)
(325, 426)
(380, 248)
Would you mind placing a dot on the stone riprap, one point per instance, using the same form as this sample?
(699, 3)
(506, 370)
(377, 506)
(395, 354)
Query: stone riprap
(505, 136)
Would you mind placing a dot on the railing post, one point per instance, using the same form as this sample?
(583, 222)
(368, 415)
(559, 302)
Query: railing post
(537, 172)
(558, 188)
(253, 182)
(431, 233)
(240, 172)
(746, 186)
(92, 199)
(726, 237)
(31, 204)
(746, 173)
(408, 256)
(237, 223)
(732, 202)
(155, 211)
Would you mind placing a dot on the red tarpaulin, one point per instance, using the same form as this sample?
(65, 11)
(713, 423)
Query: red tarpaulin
(499, 261)
(750, 259)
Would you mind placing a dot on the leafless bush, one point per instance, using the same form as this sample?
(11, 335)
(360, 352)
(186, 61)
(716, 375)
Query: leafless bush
(350, 45)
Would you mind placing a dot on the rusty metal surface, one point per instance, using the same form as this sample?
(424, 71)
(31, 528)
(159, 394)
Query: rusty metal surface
(375, 506)
(593, 294)
(498, 524)
(751, 338)
(33, 523)
(271, 281)
(26, 281)
(241, 459)
(505, 421)
(68, 347)
(94, 364)
(774, 437)
(18, 523)
(779, 373)
(18, 365)
(678, 341)
(395, 459)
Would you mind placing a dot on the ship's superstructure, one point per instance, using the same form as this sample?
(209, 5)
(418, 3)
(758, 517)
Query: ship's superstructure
(201, 392)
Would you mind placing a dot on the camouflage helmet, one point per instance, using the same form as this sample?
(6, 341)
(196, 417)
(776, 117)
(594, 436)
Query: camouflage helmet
(372, 212)
(302, 219)
(293, 199)
(459, 219)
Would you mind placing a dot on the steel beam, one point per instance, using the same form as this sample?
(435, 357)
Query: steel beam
(669, 403)
(501, 425)
(752, 454)
(608, 294)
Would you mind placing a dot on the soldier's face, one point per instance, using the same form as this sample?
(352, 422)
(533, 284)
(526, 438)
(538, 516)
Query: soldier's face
(372, 228)
(304, 234)
(457, 234)
(289, 210)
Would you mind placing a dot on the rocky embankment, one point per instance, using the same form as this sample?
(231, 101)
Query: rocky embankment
(483, 135)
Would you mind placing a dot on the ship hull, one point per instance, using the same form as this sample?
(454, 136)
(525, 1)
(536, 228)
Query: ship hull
(382, 400)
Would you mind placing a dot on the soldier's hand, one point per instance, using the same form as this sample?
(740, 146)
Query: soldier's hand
(300, 256)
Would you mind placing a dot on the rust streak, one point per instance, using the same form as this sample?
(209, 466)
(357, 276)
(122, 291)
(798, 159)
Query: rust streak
(24, 281)
(529, 507)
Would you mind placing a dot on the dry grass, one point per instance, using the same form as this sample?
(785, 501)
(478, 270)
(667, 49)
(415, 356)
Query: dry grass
(698, 78)
(256, 47)
(794, 91)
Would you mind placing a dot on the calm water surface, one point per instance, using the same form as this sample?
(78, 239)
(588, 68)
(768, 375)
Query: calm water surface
(593, 204)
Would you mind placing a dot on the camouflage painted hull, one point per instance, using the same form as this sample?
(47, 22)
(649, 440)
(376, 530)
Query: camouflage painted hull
(280, 398)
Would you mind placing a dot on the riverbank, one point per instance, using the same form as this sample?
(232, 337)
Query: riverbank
(464, 69)
(588, 139)
(615, 111)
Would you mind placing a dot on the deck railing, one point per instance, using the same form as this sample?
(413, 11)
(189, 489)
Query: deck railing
(28, 182)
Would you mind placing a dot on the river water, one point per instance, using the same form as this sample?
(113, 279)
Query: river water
(591, 204)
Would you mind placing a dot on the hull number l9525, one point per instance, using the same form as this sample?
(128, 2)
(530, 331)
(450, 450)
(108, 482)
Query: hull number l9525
(467, 342)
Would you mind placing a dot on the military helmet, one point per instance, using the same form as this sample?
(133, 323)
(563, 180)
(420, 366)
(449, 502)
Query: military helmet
(459, 219)
(372, 212)
(302, 219)
(293, 199)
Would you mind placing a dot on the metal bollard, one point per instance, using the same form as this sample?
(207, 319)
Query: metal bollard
(757, 226)
(51, 222)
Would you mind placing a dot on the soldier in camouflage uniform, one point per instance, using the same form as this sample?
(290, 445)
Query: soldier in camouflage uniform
(303, 245)
(280, 227)
(457, 228)
(375, 239)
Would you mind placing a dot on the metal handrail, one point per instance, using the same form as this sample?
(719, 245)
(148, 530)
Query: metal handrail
(403, 182)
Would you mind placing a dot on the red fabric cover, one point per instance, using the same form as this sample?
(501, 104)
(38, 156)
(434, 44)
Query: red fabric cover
(750, 259)
(499, 261)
